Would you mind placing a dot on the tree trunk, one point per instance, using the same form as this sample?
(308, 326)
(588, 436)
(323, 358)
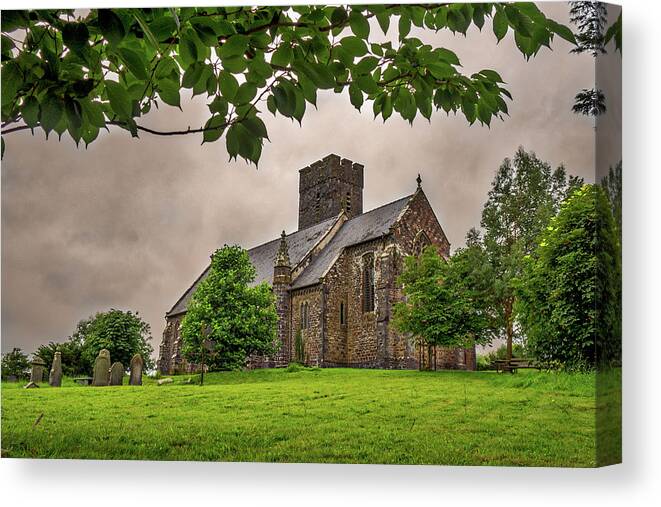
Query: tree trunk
(509, 326)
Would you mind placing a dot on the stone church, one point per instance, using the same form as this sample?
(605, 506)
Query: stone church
(335, 278)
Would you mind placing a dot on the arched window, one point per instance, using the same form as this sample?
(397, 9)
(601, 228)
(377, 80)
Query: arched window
(343, 314)
(368, 283)
(305, 318)
(420, 242)
(347, 205)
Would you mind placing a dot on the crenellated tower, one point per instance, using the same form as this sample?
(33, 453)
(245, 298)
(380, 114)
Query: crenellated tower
(327, 187)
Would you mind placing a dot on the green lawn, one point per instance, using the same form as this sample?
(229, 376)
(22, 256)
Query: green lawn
(315, 415)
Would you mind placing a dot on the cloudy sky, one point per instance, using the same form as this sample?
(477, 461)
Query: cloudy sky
(131, 223)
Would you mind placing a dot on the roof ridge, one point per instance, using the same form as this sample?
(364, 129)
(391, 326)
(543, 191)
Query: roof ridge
(290, 234)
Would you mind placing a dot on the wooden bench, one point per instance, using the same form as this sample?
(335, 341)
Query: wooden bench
(503, 365)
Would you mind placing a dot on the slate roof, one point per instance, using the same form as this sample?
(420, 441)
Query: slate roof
(365, 227)
(263, 258)
(370, 225)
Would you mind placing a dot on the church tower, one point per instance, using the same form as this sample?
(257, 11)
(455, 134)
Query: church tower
(327, 187)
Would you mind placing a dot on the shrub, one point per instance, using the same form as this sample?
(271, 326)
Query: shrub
(15, 363)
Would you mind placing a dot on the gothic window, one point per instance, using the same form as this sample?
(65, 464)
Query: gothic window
(348, 203)
(305, 321)
(317, 204)
(420, 242)
(368, 283)
(343, 315)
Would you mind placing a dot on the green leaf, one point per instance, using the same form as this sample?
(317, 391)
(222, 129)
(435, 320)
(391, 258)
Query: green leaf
(192, 75)
(235, 64)
(119, 99)
(282, 56)
(562, 31)
(285, 101)
(355, 96)
(366, 65)
(74, 114)
(441, 70)
(384, 21)
(492, 75)
(354, 45)
(359, 24)
(386, 110)
(255, 126)
(236, 45)
(245, 93)
(52, 111)
(134, 62)
(30, 111)
(111, 26)
(338, 16)
(168, 90)
(219, 105)
(163, 27)
(500, 24)
(187, 49)
(404, 26)
(75, 35)
(447, 56)
(93, 112)
(228, 85)
(367, 84)
(217, 123)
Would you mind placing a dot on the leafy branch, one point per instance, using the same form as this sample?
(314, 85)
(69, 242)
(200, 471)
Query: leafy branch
(79, 75)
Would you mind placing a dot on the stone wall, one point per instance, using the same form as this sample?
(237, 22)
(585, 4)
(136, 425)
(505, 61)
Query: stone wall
(312, 335)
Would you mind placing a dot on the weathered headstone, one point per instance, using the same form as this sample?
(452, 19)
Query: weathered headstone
(102, 368)
(136, 370)
(55, 377)
(116, 374)
(165, 381)
(37, 371)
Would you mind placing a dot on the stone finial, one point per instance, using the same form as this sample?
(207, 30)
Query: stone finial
(418, 180)
(282, 259)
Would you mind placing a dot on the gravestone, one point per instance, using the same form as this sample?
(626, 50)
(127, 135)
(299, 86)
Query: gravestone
(116, 374)
(55, 377)
(37, 371)
(102, 368)
(30, 385)
(164, 381)
(136, 370)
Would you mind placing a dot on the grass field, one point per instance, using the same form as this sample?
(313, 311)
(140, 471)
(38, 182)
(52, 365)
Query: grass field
(316, 415)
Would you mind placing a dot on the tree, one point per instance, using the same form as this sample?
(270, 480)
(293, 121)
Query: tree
(612, 185)
(590, 18)
(123, 333)
(66, 72)
(228, 320)
(525, 194)
(72, 356)
(15, 363)
(439, 307)
(570, 294)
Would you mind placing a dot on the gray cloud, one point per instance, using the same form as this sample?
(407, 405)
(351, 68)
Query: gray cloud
(130, 223)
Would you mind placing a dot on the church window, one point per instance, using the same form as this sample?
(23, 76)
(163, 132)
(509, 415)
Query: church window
(368, 283)
(421, 241)
(305, 316)
(343, 315)
(348, 202)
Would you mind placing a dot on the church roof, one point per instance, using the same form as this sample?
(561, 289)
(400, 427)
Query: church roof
(365, 227)
(263, 258)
